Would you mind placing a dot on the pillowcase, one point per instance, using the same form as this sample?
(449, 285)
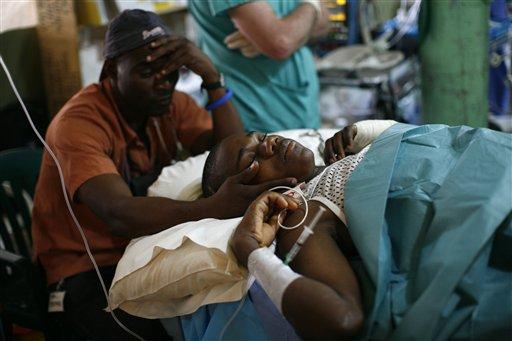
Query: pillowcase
(180, 181)
(180, 269)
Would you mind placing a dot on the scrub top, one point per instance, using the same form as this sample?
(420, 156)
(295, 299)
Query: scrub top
(270, 95)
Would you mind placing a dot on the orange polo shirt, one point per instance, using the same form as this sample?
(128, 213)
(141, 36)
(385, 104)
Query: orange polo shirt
(91, 138)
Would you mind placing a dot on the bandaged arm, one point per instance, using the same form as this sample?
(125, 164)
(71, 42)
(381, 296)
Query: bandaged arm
(368, 131)
(295, 295)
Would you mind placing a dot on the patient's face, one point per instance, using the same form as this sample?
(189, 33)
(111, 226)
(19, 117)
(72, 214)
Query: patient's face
(277, 157)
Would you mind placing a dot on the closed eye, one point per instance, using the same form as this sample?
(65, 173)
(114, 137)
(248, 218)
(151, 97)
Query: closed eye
(252, 155)
(253, 159)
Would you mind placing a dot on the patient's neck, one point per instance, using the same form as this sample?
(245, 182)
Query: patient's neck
(316, 171)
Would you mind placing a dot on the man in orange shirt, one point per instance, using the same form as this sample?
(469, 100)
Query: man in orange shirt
(112, 139)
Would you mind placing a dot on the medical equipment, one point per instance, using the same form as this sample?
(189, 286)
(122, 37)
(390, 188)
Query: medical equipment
(306, 209)
(308, 230)
(406, 18)
(68, 204)
(272, 274)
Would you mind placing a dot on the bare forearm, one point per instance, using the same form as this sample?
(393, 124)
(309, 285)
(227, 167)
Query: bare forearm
(133, 217)
(275, 37)
(328, 317)
(109, 197)
(327, 298)
(298, 25)
(322, 24)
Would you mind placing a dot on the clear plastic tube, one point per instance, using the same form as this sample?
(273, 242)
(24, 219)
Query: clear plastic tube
(68, 204)
(308, 231)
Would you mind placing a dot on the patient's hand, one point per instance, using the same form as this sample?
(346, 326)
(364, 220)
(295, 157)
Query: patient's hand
(338, 146)
(259, 226)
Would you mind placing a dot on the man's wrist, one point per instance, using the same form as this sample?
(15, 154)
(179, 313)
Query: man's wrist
(212, 77)
(207, 207)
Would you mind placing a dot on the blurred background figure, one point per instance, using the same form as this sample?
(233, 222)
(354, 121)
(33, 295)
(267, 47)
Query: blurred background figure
(259, 47)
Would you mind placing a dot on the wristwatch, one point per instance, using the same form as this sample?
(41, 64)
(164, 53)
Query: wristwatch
(215, 85)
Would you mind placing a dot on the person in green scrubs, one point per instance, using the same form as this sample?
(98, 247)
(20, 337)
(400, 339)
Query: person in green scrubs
(259, 48)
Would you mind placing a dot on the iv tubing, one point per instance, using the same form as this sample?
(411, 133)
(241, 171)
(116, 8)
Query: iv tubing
(308, 231)
(305, 208)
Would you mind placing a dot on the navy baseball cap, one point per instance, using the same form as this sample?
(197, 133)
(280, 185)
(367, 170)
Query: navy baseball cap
(132, 29)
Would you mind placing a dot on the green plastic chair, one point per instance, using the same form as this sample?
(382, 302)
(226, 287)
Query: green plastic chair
(23, 296)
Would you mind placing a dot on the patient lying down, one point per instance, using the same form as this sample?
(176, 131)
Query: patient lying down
(324, 303)
(427, 224)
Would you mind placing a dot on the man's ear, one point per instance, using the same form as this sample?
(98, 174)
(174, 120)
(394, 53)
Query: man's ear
(111, 68)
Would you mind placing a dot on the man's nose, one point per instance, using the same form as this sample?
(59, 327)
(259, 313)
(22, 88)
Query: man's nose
(268, 147)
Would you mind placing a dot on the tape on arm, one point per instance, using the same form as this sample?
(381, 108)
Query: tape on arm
(368, 131)
(271, 273)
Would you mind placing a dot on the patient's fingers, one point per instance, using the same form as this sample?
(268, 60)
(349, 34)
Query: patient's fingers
(269, 204)
(338, 145)
(261, 218)
(349, 132)
(328, 152)
(348, 138)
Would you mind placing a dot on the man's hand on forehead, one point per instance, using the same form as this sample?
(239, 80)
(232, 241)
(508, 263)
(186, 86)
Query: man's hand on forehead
(163, 46)
(180, 52)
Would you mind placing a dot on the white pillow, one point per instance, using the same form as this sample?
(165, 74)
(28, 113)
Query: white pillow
(181, 181)
(180, 269)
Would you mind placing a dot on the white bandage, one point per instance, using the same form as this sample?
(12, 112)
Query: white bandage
(367, 131)
(316, 5)
(271, 273)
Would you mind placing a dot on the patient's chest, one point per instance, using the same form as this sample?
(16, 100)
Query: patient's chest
(329, 186)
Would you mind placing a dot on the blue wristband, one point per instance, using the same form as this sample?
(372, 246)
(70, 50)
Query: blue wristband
(220, 101)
